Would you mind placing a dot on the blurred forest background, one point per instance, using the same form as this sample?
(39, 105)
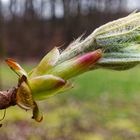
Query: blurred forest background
(104, 105)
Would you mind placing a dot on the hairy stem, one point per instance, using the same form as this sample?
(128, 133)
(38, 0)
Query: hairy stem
(87, 45)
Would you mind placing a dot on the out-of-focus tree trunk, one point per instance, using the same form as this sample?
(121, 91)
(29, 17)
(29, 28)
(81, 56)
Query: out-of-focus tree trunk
(13, 8)
(52, 3)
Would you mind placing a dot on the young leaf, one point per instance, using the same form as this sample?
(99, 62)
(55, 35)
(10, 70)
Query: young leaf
(77, 65)
(16, 67)
(46, 63)
(44, 84)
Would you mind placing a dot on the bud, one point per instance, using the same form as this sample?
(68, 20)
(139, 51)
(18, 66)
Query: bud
(114, 45)
(77, 65)
(120, 41)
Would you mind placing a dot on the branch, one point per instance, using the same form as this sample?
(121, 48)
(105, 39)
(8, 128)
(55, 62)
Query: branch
(8, 98)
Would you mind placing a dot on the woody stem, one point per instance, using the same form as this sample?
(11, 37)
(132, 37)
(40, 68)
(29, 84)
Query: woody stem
(8, 98)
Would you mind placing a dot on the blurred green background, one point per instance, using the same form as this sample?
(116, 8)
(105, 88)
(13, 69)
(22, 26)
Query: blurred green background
(103, 105)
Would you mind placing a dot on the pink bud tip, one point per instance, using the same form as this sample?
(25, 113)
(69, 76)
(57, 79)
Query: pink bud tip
(90, 58)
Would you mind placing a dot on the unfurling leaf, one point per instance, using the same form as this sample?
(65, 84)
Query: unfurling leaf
(46, 63)
(77, 65)
(15, 67)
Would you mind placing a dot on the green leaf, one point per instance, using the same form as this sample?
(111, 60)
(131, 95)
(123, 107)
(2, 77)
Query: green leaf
(48, 93)
(46, 63)
(47, 85)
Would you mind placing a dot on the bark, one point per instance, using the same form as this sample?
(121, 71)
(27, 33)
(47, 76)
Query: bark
(8, 98)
